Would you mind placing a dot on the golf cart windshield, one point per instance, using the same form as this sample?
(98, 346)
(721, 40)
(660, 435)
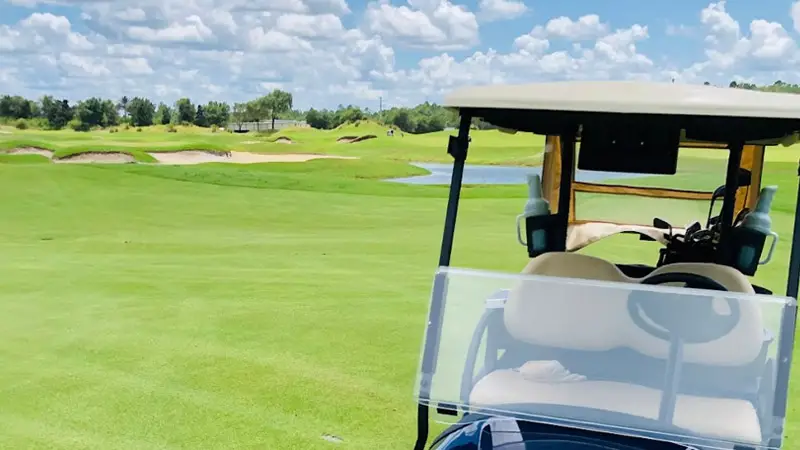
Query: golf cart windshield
(675, 364)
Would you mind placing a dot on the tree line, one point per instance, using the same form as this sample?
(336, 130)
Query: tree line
(92, 113)
(52, 113)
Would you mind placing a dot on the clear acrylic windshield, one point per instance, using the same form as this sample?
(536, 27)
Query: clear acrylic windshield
(684, 365)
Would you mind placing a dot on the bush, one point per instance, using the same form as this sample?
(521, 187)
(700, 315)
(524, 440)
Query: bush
(21, 124)
(171, 129)
(139, 129)
(126, 127)
(214, 128)
(77, 125)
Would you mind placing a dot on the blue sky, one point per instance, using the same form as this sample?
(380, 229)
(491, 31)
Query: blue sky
(329, 52)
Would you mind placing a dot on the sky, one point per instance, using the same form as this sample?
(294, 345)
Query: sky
(381, 52)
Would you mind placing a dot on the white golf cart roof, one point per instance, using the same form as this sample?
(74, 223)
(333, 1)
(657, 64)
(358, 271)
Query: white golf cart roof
(632, 97)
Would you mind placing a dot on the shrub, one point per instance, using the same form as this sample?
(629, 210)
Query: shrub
(139, 129)
(126, 127)
(77, 125)
(214, 128)
(171, 129)
(21, 124)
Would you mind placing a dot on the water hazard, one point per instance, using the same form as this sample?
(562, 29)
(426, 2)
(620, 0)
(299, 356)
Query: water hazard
(479, 174)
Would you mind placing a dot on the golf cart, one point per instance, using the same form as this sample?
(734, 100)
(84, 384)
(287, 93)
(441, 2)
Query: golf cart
(583, 352)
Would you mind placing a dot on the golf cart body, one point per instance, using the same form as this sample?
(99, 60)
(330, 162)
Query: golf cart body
(580, 352)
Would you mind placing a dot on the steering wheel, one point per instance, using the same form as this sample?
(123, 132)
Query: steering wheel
(690, 318)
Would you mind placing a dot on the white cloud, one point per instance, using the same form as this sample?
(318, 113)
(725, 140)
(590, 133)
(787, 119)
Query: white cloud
(766, 48)
(326, 26)
(585, 28)
(319, 49)
(435, 24)
(501, 9)
(191, 30)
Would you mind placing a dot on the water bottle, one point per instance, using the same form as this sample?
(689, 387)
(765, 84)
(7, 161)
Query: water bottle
(758, 224)
(536, 206)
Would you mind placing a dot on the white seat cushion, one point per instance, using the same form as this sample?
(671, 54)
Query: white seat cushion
(707, 416)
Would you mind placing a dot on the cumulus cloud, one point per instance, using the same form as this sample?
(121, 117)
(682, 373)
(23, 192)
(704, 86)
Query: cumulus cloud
(585, 27)
(490, 10)
(765, 47)
(435, 24)
(324, 53)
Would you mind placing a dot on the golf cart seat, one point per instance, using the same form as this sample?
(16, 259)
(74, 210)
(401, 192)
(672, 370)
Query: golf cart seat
(575, 265)
(732, 279)
(568, 360)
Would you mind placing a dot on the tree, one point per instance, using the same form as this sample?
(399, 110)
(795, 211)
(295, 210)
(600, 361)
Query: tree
(163, 114)
(347, 114)
(57, 112)
(123, 105)
(254, 111)
(319, 119)
(142, 111)
(89, 113)
(277, 102)
(110, 113)
(401, 118)
(16, 107)
(217, 113)
(239, 115)
(185, 110)
(200, 117)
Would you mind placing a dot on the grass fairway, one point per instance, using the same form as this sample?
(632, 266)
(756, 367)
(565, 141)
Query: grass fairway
(220, 306)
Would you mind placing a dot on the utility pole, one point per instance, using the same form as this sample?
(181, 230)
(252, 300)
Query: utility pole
(380, 99)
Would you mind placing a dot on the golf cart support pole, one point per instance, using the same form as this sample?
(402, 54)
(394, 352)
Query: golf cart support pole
(457, 148)
(784, 359)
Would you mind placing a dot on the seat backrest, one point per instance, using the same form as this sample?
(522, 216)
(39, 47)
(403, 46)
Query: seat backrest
(740, 346)
(574, 265)
(580, 318)
(542, 314)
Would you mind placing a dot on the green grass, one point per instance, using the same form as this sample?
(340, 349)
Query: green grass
(523, 149)
(222, 306)
(23, 159)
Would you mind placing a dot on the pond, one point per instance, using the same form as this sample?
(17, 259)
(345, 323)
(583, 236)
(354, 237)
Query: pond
(479, 174)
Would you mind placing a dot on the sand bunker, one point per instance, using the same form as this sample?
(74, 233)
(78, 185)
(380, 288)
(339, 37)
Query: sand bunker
(98, 158)
(354, 139)
(32, 151)
(4, 132)
(176, 158)
(284, 140)
(200, 157)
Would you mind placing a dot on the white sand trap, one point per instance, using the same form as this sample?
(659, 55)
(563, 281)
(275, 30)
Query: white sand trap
(283, 140)
(98, 158)
(31, 151)
(4, 132)
(250, 142)
(188, 157)
(200, 157)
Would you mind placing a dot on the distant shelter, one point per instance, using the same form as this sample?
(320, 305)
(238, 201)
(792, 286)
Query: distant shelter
(266, 125)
